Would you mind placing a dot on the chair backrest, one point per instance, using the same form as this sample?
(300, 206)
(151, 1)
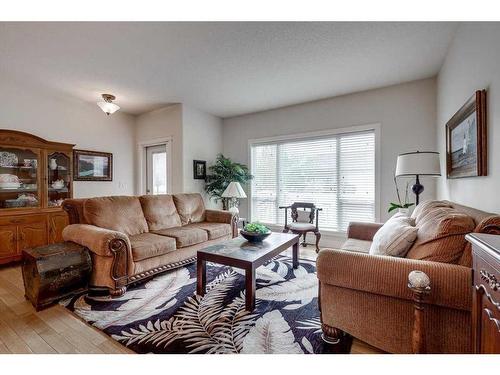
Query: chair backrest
(299, 207)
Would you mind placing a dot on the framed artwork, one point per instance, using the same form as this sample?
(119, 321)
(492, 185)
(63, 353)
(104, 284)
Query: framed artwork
(92, 165)
(466, 139)
(199, 169)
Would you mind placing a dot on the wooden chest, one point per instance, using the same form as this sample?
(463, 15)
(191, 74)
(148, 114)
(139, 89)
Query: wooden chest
(486, 289)
(56, 271)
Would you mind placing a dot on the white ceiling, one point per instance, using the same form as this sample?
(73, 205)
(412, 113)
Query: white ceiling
(226, 69)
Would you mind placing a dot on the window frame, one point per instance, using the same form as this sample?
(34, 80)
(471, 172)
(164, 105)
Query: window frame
(376, 128)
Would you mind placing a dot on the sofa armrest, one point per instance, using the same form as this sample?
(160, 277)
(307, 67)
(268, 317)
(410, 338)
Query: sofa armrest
(451, 284)
(362, 231)
(220, 216)
(97, 240)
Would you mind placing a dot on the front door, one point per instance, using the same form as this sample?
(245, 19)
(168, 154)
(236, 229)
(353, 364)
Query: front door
(156, 169)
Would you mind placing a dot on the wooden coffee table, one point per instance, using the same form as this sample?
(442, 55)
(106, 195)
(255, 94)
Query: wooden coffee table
(240, 253)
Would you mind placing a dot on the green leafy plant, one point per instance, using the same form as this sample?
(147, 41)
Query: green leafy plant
(399, 204)
(256, 228)
(221, 174)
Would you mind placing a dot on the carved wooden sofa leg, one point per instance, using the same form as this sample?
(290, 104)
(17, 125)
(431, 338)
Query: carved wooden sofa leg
(117, 292)
(119, 268)
(420, 284)
(332, 335)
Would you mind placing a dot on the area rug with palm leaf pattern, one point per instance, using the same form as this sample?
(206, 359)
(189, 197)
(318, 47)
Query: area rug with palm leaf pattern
(164, 315)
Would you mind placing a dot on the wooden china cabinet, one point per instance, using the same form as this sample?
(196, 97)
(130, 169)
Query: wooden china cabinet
(35, 177)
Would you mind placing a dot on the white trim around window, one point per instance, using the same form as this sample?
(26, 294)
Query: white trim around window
(376, 128)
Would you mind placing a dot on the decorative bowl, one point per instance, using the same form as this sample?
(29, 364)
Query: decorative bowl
(254, 236)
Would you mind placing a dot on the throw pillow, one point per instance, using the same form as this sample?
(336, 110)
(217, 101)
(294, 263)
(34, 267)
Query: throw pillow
(426, 207)
(441, 236)
(395, 237)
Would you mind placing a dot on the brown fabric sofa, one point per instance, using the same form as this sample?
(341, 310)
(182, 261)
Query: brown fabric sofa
(367, 296)
(133, 238)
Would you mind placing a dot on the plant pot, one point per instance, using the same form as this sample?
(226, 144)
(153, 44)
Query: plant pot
(405, 211)
(253, 236)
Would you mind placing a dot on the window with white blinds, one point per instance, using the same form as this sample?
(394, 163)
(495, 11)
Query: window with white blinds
(336, 173)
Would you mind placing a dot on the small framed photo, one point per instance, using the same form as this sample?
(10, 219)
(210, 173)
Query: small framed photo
(92, 165)
(199, 169)
(466, 139)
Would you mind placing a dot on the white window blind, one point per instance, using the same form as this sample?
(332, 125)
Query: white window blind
(336, 173)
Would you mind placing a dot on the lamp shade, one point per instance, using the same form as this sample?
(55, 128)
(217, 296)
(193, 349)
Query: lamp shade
(108, 108)
(424, 163)
(234, 190)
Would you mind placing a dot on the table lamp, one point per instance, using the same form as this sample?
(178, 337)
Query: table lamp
(419, 163)
(234, 191)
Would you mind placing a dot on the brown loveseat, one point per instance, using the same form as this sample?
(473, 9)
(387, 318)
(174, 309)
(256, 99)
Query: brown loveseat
(367, 296)
(133, 238)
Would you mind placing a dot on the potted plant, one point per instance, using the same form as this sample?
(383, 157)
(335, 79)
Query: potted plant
(401, 207)
(223, 172)
(255, 232)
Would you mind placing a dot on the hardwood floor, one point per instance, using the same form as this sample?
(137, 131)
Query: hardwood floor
(54, 330)
(57, 330)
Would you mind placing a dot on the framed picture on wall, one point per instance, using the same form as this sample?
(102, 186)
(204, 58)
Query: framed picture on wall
(92, 165)
(199, 169)
(466, 139)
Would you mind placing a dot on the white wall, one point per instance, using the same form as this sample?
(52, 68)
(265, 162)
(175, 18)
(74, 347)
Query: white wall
(202, 140)
(196, 135)
(406, 112)
(472, 63)
(162, 123)
(62, 119)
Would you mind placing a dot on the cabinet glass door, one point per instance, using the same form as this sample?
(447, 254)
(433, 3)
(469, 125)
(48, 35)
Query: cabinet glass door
(58, 178)
(18, 178)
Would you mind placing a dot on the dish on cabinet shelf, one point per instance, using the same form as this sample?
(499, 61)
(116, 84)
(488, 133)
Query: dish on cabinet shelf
(10, 185)
(59, 184)
(56, 203)
(23, 200)
(9, 181)
(8, 159)
(8, 178)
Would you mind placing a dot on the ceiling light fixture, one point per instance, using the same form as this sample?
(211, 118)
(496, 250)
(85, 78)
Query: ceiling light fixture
(107, 105)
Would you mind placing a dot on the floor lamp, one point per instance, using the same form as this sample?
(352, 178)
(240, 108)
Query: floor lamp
(419, 163)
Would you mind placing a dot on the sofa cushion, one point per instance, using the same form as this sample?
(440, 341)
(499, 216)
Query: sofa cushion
(149, 245)
(489, 225)
(441, 235)
(160, 211)
(119, 213)
(185, 236)
(301, 226)
(352, 244)
(214, 230)
(425, 208)
(395, 237)
(190, 207)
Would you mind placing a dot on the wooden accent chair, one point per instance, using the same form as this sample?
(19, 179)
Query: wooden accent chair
(303, 215)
